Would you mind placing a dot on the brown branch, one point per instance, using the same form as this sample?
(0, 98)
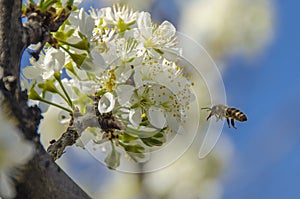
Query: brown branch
(42, 178)
(40, 25)
(68, 138)
(79, 122)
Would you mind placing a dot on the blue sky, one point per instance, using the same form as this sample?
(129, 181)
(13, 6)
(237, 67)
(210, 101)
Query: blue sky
(267, 155)
(268, 147)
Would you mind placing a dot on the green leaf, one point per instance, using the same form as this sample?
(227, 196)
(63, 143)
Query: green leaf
(156, 140)
(41, 3)
(127, 138)
(135, 148)
(142, 132)
(135, 151)
(151, 142)
(136, 156)
(113, 158)
(82, 45)
(69, 33)
(82, 99)
(33, 95)
(48, 86)
(44, 5)
(69, 66)
(57, 75)
(61, 35)
(24, 10)
(70, 3)
(78, 58)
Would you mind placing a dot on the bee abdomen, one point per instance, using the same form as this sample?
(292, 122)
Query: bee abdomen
(236, 114)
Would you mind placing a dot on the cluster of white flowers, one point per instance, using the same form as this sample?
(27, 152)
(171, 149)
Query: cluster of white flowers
(225, 27)
(121, 61)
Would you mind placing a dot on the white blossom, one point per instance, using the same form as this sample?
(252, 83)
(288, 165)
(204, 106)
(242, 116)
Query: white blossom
(83, 22)
(119, 14)
(120, 63)
(153, 37)
(44, 68)
(229, 26)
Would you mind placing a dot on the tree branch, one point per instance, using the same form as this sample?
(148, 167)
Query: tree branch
(42, 178)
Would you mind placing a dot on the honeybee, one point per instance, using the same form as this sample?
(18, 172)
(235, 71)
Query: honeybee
(222, 111)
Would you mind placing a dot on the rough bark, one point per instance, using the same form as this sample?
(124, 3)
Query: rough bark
(41, 177)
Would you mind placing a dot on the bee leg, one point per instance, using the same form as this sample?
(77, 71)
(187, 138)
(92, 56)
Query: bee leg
(227, 119)
(206, 108)
(209, 116)
(232, 123)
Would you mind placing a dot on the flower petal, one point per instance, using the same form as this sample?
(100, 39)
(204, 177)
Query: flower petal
(124, 93)
(135, 117)
(157, 117)
(106, 103)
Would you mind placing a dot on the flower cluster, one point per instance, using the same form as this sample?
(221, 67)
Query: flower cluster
(115, 76)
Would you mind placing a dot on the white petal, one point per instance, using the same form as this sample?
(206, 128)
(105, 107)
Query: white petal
(157, 117)
(144, 24)
(54, 59)
(172, 54)
(98, 59)
(32, 72)
(173, 122)
(124, 93)
(48, 74)
(106, 103)
(135, 117)
(77, 2)
(167, 30)
(123, 73)
(86, 23)
(137, 76)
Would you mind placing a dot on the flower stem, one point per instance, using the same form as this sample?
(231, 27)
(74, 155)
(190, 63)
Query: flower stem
(56, 105)
(69, 101)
